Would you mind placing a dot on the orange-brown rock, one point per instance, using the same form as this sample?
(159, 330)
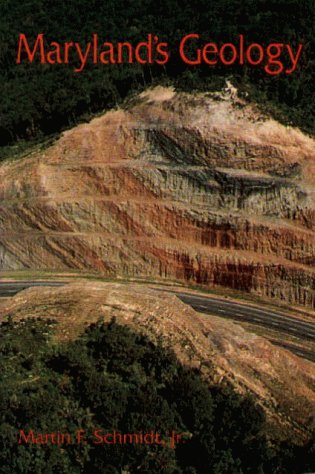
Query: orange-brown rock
(282, 383)
(200, 188)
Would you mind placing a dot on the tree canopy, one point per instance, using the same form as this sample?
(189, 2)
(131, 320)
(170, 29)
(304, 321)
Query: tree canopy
(114, 379)
(39, 100)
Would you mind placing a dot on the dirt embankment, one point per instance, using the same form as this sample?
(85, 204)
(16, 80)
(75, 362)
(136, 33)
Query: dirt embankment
(283, 384)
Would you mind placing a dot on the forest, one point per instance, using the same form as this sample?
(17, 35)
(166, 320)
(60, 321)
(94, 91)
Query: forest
(113, 379)
(40, 100)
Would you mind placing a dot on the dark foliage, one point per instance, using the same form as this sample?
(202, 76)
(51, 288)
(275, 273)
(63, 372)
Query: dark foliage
(114, 379)
(39, 100)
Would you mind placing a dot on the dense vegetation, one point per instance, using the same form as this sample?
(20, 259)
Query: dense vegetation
(39, 100)
(114, 379)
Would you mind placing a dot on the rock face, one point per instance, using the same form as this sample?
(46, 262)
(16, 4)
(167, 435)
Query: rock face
(282, 383)
(200, 188)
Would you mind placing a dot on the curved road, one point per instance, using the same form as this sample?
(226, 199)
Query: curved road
(271, 319)
(11, 288)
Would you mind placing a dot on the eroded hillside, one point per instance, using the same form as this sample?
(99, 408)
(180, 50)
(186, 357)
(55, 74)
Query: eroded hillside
(200, 188)
(283, 384)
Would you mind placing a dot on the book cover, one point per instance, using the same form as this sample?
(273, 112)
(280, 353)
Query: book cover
(157, 246)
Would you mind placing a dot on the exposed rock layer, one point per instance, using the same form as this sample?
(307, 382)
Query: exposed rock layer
(197, 188)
